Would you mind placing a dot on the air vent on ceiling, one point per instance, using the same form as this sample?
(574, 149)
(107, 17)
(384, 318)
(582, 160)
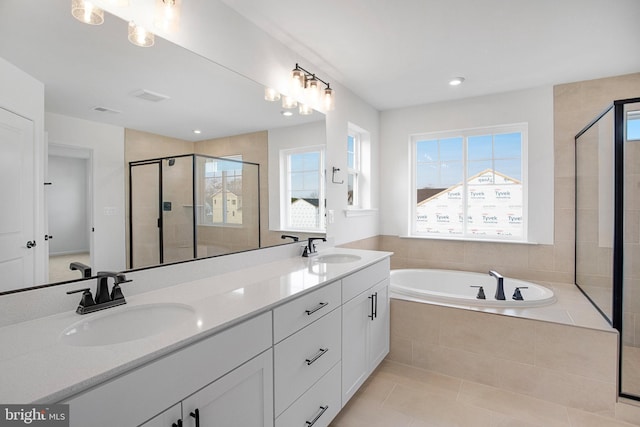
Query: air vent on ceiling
(147, 95)
(101, 109)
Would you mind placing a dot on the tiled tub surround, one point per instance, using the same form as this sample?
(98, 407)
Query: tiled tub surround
(562, 363)
(37, 367)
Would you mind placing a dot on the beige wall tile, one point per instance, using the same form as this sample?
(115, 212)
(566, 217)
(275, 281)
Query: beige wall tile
(578, 351)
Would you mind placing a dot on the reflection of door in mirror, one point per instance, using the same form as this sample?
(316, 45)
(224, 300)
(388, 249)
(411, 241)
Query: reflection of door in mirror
(68, 206)
(17, 239)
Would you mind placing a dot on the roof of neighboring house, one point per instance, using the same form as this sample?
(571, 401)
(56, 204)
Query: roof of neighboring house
(311, 201)
(435, 192)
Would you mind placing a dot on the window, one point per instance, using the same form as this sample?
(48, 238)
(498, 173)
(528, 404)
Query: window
(633, 126)
(470, 184)
(353, 169)
(222, 191)
(303, 203)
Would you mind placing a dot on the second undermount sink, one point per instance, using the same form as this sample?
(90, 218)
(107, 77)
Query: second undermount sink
(126, 323)
(338, 258)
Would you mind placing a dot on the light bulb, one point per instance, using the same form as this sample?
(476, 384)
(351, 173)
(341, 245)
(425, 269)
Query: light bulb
(167, 15)
(313, 88)
(139, 36)
(87, 12)
(297, 80)
(304, 110)
(329, 99)
(271, 94)
(289, 102)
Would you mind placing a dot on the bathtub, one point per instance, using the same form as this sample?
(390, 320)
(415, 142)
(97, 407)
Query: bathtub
(455, 287)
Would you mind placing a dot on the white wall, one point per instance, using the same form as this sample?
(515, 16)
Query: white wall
(67, 205)
(534, 106)
(220, 34)
(24, 95)
(108, 170)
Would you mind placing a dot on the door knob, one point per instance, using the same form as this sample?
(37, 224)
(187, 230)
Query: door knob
(30, 244)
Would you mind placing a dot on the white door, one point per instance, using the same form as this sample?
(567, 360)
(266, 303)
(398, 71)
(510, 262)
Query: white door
(17, 192)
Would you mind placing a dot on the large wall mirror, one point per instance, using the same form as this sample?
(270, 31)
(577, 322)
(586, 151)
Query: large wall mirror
(120, 119)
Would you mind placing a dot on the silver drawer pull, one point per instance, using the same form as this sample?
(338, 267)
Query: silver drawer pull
(318, 307)
(318, 415)
(316, 356)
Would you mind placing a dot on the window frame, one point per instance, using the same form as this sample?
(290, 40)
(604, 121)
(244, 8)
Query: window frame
(355, 171)
(465, 134)
(285, 189)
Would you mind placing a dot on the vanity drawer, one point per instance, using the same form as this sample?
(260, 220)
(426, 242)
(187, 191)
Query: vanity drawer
(295, 315)
(301, 359)
(362, 280)
(324, 394)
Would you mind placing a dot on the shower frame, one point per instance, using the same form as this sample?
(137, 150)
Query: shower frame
(159, 161)
(616, 320)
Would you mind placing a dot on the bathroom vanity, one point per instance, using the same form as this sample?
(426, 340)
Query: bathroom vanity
(280, 344)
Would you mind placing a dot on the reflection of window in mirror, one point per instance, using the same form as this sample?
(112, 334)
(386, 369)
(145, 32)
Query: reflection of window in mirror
(221, 192)
(358, 167)
(302, 189)
(633, 126)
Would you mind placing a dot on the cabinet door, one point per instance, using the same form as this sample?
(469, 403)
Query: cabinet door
(167, 418)
(355, 344)
(379, 327)
(243, 397)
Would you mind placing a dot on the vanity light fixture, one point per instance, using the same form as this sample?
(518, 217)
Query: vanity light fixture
(197, 131)
(139, 36)
(301, 78)
(85, 11)
(286, 113)
(456, 81)
(167, 15)
(271, 94)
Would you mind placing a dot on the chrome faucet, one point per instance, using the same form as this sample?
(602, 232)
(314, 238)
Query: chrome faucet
(499, 285)
(104, 299)
(310, 249)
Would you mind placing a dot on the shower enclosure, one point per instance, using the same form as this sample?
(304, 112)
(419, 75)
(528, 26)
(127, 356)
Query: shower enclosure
(191, 206)
(607, 266)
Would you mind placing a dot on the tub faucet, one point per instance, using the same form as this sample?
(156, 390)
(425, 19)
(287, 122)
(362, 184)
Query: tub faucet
(499, 284)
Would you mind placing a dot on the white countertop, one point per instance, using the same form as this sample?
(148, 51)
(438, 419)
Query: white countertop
(36, 367)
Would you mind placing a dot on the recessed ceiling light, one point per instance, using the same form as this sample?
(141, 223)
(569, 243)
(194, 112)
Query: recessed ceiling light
(197, 131)
(456, 81)
(286, 113)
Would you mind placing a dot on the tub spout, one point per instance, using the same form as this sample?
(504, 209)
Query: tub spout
(499, 285)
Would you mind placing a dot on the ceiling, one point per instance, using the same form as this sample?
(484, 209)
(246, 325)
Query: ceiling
(396, 54)
(84, 66)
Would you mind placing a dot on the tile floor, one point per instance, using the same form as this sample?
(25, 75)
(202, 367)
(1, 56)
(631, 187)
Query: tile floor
(59, 266)
(398, 395)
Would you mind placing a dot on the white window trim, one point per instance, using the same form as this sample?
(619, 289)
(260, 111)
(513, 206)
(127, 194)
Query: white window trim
(465, 133)
(356, 171)
(285, 184)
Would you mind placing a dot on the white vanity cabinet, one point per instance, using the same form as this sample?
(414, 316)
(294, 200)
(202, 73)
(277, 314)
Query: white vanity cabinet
(168, 418)
(365, 325)
(139, 395)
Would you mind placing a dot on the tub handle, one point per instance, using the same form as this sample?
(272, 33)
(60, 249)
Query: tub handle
(481, 294)
(517, 295)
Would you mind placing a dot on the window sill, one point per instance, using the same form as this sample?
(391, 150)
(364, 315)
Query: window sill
(468, 239)
(359, 212)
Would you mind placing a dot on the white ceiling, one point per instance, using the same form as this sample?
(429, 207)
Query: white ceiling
(403, 52)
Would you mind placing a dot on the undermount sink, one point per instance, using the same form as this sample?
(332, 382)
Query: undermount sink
(126, 323)
(337, 258)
